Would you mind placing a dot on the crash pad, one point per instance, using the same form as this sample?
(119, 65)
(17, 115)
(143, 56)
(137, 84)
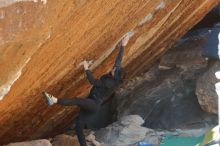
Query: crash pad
(182, 141)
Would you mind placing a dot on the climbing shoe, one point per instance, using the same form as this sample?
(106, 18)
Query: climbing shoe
(49, 98)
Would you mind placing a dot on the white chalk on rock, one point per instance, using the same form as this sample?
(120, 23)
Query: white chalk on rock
(90, 63)
(217, 74)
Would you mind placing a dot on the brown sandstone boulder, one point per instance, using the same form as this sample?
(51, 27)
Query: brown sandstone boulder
(32, 143)
(205, 89)
(65, 140)
(42, 43)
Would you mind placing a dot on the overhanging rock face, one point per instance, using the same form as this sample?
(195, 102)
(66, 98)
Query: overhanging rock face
(43, 43)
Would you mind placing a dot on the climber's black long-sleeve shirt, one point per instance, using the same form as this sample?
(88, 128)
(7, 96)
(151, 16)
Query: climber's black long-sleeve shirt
(106, 85)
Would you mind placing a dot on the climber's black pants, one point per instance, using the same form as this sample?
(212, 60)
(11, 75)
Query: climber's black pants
(88, 107)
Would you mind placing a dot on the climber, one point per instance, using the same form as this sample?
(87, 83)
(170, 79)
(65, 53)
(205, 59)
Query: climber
(101, 90)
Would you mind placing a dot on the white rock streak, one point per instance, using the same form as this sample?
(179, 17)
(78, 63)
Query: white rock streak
(5, 3)
(5, 88)
(150, 16)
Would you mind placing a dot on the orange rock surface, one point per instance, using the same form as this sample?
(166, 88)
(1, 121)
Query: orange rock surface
(43, 43)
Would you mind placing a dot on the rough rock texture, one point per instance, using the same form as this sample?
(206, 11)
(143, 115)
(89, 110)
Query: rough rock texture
(165, 96)
(32, 143)
(65, 140)
(43, 42)
(205, 89)
(127, 131)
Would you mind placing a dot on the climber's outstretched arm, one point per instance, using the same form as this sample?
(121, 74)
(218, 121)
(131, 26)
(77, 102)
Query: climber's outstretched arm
(119, 56)
(117, 65)
(89, 74)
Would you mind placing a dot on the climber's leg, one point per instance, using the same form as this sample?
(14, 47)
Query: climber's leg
(79, 131)
(81, 123)
(85, 104)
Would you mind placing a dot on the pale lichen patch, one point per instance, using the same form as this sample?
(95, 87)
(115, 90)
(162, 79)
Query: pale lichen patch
(146, 19)
(161, 6)
(2, 14)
